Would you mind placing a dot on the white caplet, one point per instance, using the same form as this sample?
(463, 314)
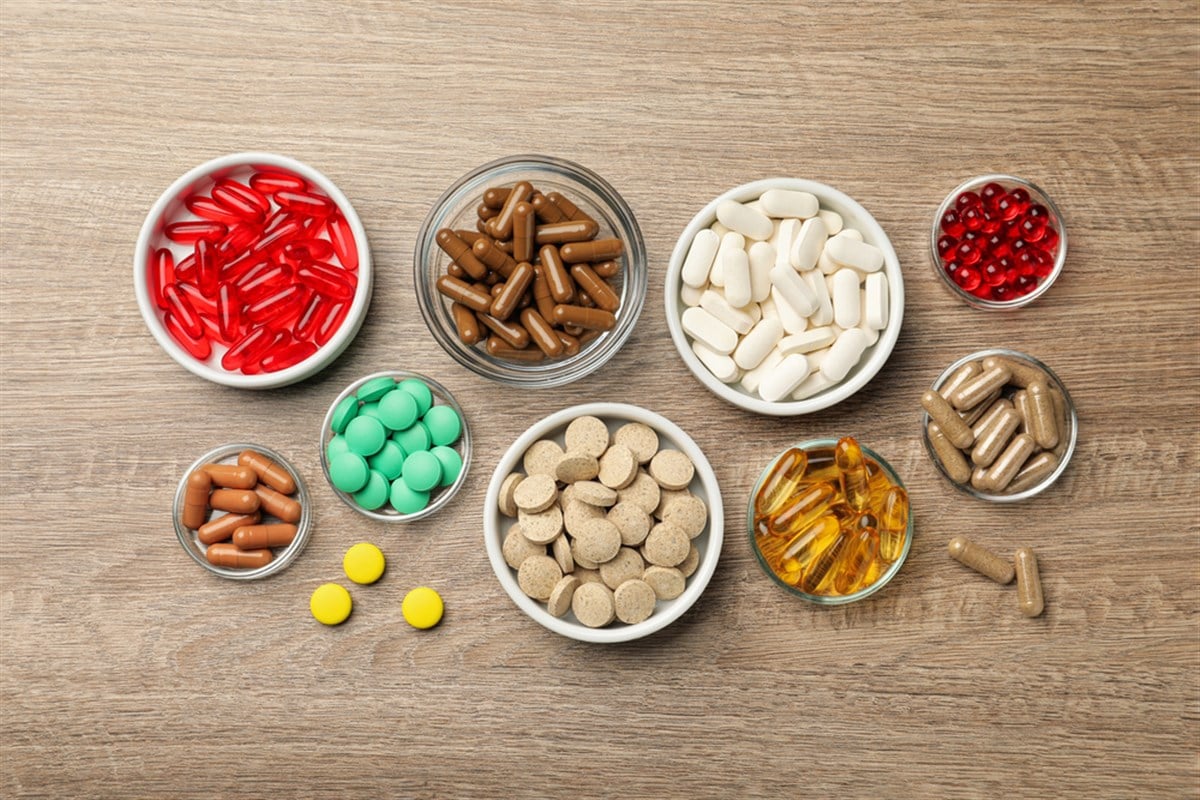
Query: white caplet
(793, 321)
(690, 295)
(699, 324)
(699, 260)
(846, 303)
(795, 290)
(833, 221)
(824, 313)
(808, 244)
(784, 379)
(789, 203)
(735, 265)
(783, 241)
(715, 303)
(849, 253)
(721, 366)
(816, 382)
(877, 302)
(750, 222)
(762, 260)
(755, 345)
(730, 241)
(753, 377)
(807, 341)
(844, 354)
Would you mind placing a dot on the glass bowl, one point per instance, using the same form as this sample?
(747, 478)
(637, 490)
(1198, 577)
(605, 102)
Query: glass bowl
(1054, 218)
(456, 208)
(1067, 446)
(227, 454)
(463, 446)
(884, 578)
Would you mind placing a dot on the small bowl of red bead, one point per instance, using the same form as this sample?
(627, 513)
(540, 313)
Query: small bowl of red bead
(253, 270)
(998, 242)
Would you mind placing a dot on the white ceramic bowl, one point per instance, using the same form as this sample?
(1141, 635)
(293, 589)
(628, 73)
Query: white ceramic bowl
(873, 359)
(704, 485)
(169, 208)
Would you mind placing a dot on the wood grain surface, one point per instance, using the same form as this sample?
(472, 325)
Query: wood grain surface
(127, 671)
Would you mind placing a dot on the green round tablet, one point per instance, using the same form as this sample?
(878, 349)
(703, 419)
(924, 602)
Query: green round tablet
(337, 445)
(375, 388)
(405, 500)
(420, 393)
(451, 463)
(398, 409)
(366, 435)
(349, 472)
(422, 471)
(444, 424)
(370, 410)
(388, 461)
(413, 438)
(375, 493)
(345, 411)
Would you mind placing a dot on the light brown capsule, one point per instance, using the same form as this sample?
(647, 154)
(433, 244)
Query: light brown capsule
(253, 537)
(221, 529)
(989, 416)
(461, 253)
(506, 245)
(607, 269)
(495, 197)
(231, 476)
(961, 375)
(588, 336)
(524, 229)
(481, 226)
(277, 504)
(1029, 583)
(562, 288)
(570, 343)
(980, 480)
(1021, 373)
(595, 250)
(567, 231)
(1020, 401)
(492, 278)
(512, 333)
(973, 414)
(502, 349)
(470, 237)
(455, 271)
(505, 302)
(541, 333)
(592, 319)
(541, 293)
(1042, 424)
(1035, 470)
(1064, 422)
(485, 212)
(230, 555)
(980, 559)
(467, 294)
(568, 328)
(195, 499)
(269, 472)
(989, 446)
(545, 209)
(500, 226)
(951, 457)
(975, 390)
(568, 208)
(237, 501)
(951, 424)
(465, 323)
(583, 299)
(491, 255)
(1008, 463)
(596, 288)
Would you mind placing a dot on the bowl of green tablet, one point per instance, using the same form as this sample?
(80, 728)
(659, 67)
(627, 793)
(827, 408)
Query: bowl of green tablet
(395, 446)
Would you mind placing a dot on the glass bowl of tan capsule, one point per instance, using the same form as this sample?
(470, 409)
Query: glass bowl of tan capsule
(788, 554)
(458, 209)
(282, 557)
(1041, 467)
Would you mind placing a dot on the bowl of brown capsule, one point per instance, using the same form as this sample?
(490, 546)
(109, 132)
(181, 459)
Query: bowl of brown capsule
(999, 425)
(531, 270)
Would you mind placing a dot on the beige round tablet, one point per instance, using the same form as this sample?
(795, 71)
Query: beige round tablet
(665, 497)
(599, 540)
(560, 549)
(667, 582)
(640, 439)
(536, 493)
(671, 469)
(634, 601)
(575, 466)
(627, 564)
(542, 457)
(643, 492)
(666, 545)
(587, 575)
(538, 575)
(687, 512)
(565, 495)
(587, 435)
(560, 596)
(542, 527)
(517, 548)
(631, 520)
(508, 506)
(593, 493)
(690, 563)
(576, 513)
(582, 562)
(618, 467)
(593, 605)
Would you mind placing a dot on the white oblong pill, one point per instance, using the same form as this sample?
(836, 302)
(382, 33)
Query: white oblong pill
(699, 324)
(755, 345)
(814, 383)
(730, 241)
(715, 303)
(736, 268)
(833, 221)
(844, 354)
(783, 241)
(783, 380)
(768, 308)
(794, 289)
(849, 253)
(751, 378)
(846, 302)
(809, 243)
(753, 310)
(789, 203)
(824, 313)
(851, 233)
(807, 341)
(721, 366)
(762, 260)
(700, 258)
(718, 229)
(825, 264)
(690, 295)
(750, 222)
(792, 320)
(876, 295)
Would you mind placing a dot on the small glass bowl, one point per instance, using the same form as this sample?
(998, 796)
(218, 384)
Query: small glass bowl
(884, 578)
(1063, 459)
(1037, 195)
(463, 446)
(457, 209)
(227, 454)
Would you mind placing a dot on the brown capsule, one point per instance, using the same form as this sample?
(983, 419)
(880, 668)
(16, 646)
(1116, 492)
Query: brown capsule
(989, 416)
(585, 300)
(541, 333)
(1008, 463)
(460, 251)
(237, 501)
(541, 292)
(195, 499)
(506, 245)
(465, 293)
(455, 271)
(1021, 373)
(470, 237)
(231, 476)
(995, 437)
(570, 343)
(951, 457)
(269, 472)
(595, 287)
(484, 212)
(981, 480)
(525, 300)
(501, 349)
(607, 269)
(524, 230)
(973, 414)
(221, 529)
(961, 375)
(1029, 583)
(980, 559)
(492, 278)
(1020, 401)
(465, 323)
(588, 336)
(545, 209)
(252, 537)
(505, 302)
(1035, 470)
(595, 250)
(495, 197)
(487, 252)
(496, 290)
(568, 328)
(501, 225)
(481, 226)
(568, 208)
(278, 505)
(952, 425)
(1042, 423)
(592, 319)
(562, 289)
(974, 391)
(512, 333)
(230, 555)
(569, 230)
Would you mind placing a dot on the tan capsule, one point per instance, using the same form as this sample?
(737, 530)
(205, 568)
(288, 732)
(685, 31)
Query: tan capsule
(607, 269)
(1022, 373)
(505, 302)
(1042, 423)
(973, 391)
(465, 323)
(502, 349)
(952, 425)
(455, 271)
(972, 415)
(461, 253)
(277, 504)
(501, 225)
(237, 501)
(595, 250)
(495, 197)
(1064, 422)
(567, 231)
(951, 457)
(541, 333)
(1029, 583)
(1020, 401)
(195, 499)
(592, 319)
(470, 237)
(595, 287)
(989, 446)
(512, 333)
(1035, 470)
(570, 343)
(469, 295)
(230, 555)
(490, 254)
(1007, 464)
(481, 226)
(568, 208)
(541, 293)
(231, 476)
(524, 230)
(572, 330)
(222, 528)
(562, 288)
(545, 209)
(484, 212)
(253, 537)
(961, 375)
(980, 559)
(269, 472)
(980, 480)
(989, 416)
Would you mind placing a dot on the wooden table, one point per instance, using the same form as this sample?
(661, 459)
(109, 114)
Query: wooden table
(127, 671)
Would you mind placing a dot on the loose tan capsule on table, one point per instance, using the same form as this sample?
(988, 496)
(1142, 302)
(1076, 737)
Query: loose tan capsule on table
(592, 319)
(238, 501)
(975, 390)
(596, 288)
(461, 253)
(980, 559)
(501, 225)
(512, 333)
(989, 446)
(272, 474)
(1043, 422)
(960, 376)
(1008, 463)
(948, 420)
(1035, 470)
(195, 499)
(471, 296)
(951, 457)
(501, 349)
(223, 527)
(505, 303)
(465, 323)
(545, 209)
(254, 537)
(568, 231)
(1021, 373)
(595, 250)
(1029, 583)
(278, 504)
(231, 476)
(230, 555)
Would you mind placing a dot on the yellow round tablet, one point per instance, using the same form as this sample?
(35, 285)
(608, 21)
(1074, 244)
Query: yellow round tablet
(422, 607)
(363, 563)
(330, 604)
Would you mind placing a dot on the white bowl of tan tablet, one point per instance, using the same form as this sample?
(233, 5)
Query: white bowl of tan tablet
(614, 553)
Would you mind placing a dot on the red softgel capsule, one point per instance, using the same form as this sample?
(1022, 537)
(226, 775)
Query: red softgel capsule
(341, 236)
(162, 275)
(195, 343)
(277, 306)
(288, 356)
(197, 299)
(264, 279)
(182, 310)
(268, 182)
(191, 232)
(332, 323)
(229, 313)
(207, 268)
(248, 348)
(305, 203)
(241, 199)
(210, 209)
(326, 280)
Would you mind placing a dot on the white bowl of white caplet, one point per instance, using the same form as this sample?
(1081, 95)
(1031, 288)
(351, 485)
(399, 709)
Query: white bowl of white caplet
(773, 342)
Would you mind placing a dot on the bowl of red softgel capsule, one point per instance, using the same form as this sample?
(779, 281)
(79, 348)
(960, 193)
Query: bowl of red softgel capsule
(253, 270)
(998, 242)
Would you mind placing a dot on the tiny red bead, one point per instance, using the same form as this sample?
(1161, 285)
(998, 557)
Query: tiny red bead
(1020, 197)
(967, 278)
(1002, 293)
(1008, 209)
(945, 244)
(990, 194)
(996, 245)
(990, 224)
(951, 224)
(1049, 239)
(966, 200)
(1024, 284)
(993, 274)
(967, 253)
(972, 218)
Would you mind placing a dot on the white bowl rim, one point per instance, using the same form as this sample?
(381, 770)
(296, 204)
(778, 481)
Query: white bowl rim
(880, 351)
(314, 363)
(696, 583)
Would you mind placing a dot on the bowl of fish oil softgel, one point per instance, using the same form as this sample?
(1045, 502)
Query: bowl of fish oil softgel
(830, 521)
